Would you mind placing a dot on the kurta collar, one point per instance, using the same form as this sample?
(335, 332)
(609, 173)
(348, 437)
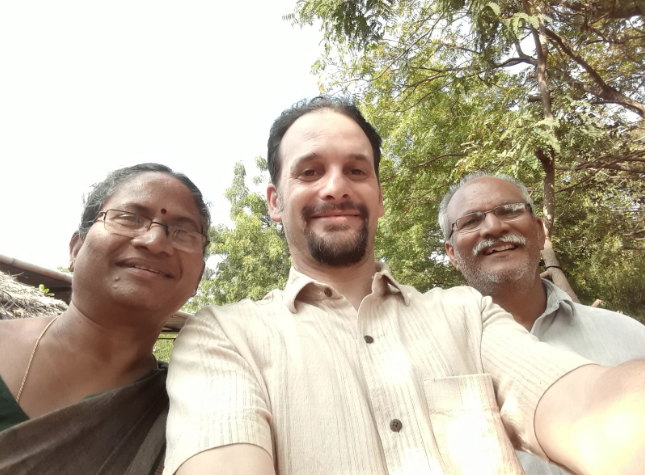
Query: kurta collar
(382, 283)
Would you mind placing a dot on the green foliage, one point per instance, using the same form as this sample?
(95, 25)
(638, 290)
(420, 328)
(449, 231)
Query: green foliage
(452, 87)
(45, 291)
(360, 20)
(253, 255)
(163, 347)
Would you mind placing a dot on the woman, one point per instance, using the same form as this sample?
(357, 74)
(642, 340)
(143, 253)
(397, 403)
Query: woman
(82, 393)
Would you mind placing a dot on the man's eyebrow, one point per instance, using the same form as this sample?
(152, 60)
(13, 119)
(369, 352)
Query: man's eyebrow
(309, 157)
(505, 202)
(360, 157)
(298, 162)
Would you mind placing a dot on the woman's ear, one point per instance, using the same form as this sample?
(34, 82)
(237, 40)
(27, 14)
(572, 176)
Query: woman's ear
(75, 245)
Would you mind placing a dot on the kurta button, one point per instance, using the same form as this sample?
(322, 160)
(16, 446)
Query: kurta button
(328, 292)
(395, 425)
(368, 339)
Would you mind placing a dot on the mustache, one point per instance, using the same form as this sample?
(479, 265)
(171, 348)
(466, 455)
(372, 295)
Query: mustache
(308, 211)
(509, 238)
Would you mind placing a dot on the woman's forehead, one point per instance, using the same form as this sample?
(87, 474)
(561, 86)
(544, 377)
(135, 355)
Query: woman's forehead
(151, 192)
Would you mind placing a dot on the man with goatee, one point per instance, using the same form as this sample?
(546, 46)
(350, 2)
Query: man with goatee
(348, 372)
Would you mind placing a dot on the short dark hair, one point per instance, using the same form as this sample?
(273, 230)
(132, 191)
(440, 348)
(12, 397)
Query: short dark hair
(104, 190)
(341, 105)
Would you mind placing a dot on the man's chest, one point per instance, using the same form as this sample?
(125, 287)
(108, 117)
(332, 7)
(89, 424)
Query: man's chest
(388, 342)
(373, 380)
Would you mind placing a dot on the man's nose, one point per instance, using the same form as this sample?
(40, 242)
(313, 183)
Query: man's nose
(492, 225)
(336, 186)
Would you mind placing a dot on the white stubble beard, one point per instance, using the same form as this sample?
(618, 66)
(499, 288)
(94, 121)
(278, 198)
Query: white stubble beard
(493, 283)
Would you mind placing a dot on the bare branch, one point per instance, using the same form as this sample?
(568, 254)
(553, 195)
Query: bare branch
(515, 61)
(634, 233)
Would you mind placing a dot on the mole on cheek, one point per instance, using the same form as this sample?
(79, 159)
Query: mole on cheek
(163, 210)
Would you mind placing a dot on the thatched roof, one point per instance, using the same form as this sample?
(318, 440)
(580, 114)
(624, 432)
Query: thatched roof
(58, 283)
(21, 301)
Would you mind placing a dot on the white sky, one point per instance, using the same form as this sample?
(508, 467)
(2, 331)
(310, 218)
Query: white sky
(87, 87)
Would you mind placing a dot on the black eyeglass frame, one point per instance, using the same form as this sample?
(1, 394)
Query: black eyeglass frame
(102, 215)
(484, 213)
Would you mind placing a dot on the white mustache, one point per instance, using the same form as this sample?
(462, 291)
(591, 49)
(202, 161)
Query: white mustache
(510, 238)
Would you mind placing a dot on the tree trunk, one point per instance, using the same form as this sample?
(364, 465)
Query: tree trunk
(556, 273)
(547, 158)
(548, 215)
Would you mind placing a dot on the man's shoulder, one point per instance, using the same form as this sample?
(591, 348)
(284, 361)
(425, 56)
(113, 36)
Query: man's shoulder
(608, 317)
(245, 308)
(455, 300)
(558, 299)
(452, 293)
(607, 337)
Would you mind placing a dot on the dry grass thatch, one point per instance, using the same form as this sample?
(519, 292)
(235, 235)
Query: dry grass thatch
(21, 301)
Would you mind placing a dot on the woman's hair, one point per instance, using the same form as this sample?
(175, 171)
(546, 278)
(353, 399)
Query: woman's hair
(104, 190)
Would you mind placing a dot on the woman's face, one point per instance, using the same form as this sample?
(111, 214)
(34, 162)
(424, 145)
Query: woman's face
(143, 273)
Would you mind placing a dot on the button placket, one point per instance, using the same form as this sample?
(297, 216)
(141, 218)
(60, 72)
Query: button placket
(390, 394)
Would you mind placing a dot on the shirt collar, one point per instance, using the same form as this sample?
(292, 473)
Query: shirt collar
(555, 297)
(382, 283)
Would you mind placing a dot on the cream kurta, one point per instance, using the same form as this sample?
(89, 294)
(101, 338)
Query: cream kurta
(410, 384)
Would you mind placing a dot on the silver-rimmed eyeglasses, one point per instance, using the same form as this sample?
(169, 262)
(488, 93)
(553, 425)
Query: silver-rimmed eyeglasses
(471, 222)
(129, 224)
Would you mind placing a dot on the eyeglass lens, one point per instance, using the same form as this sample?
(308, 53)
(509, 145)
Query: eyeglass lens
(129, 224)
(505, 212)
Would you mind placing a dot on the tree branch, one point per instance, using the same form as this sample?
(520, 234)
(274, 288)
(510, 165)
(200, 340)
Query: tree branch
(427, 162)
(606, 166)
(619, 11)
(514, 62)
(580, 182)
(634, 233)
(594, 90)
(607, 92)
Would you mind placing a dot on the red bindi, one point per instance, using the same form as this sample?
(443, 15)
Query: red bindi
(163, 210)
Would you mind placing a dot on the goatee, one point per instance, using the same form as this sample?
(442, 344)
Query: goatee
(332, 250)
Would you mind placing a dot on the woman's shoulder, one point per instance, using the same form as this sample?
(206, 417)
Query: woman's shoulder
(19, 329)
(17, 339)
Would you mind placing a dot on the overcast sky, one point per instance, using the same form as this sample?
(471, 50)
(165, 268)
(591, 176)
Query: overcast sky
(88, 87)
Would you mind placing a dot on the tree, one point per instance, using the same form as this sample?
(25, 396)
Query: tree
(253, 255)
(548, 91)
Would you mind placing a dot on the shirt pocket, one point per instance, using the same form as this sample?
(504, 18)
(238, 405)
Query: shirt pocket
(467, 426)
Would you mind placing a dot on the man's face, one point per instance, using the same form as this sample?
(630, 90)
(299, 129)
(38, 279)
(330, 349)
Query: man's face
(143, 272)
(498, 252)
(329, 198)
